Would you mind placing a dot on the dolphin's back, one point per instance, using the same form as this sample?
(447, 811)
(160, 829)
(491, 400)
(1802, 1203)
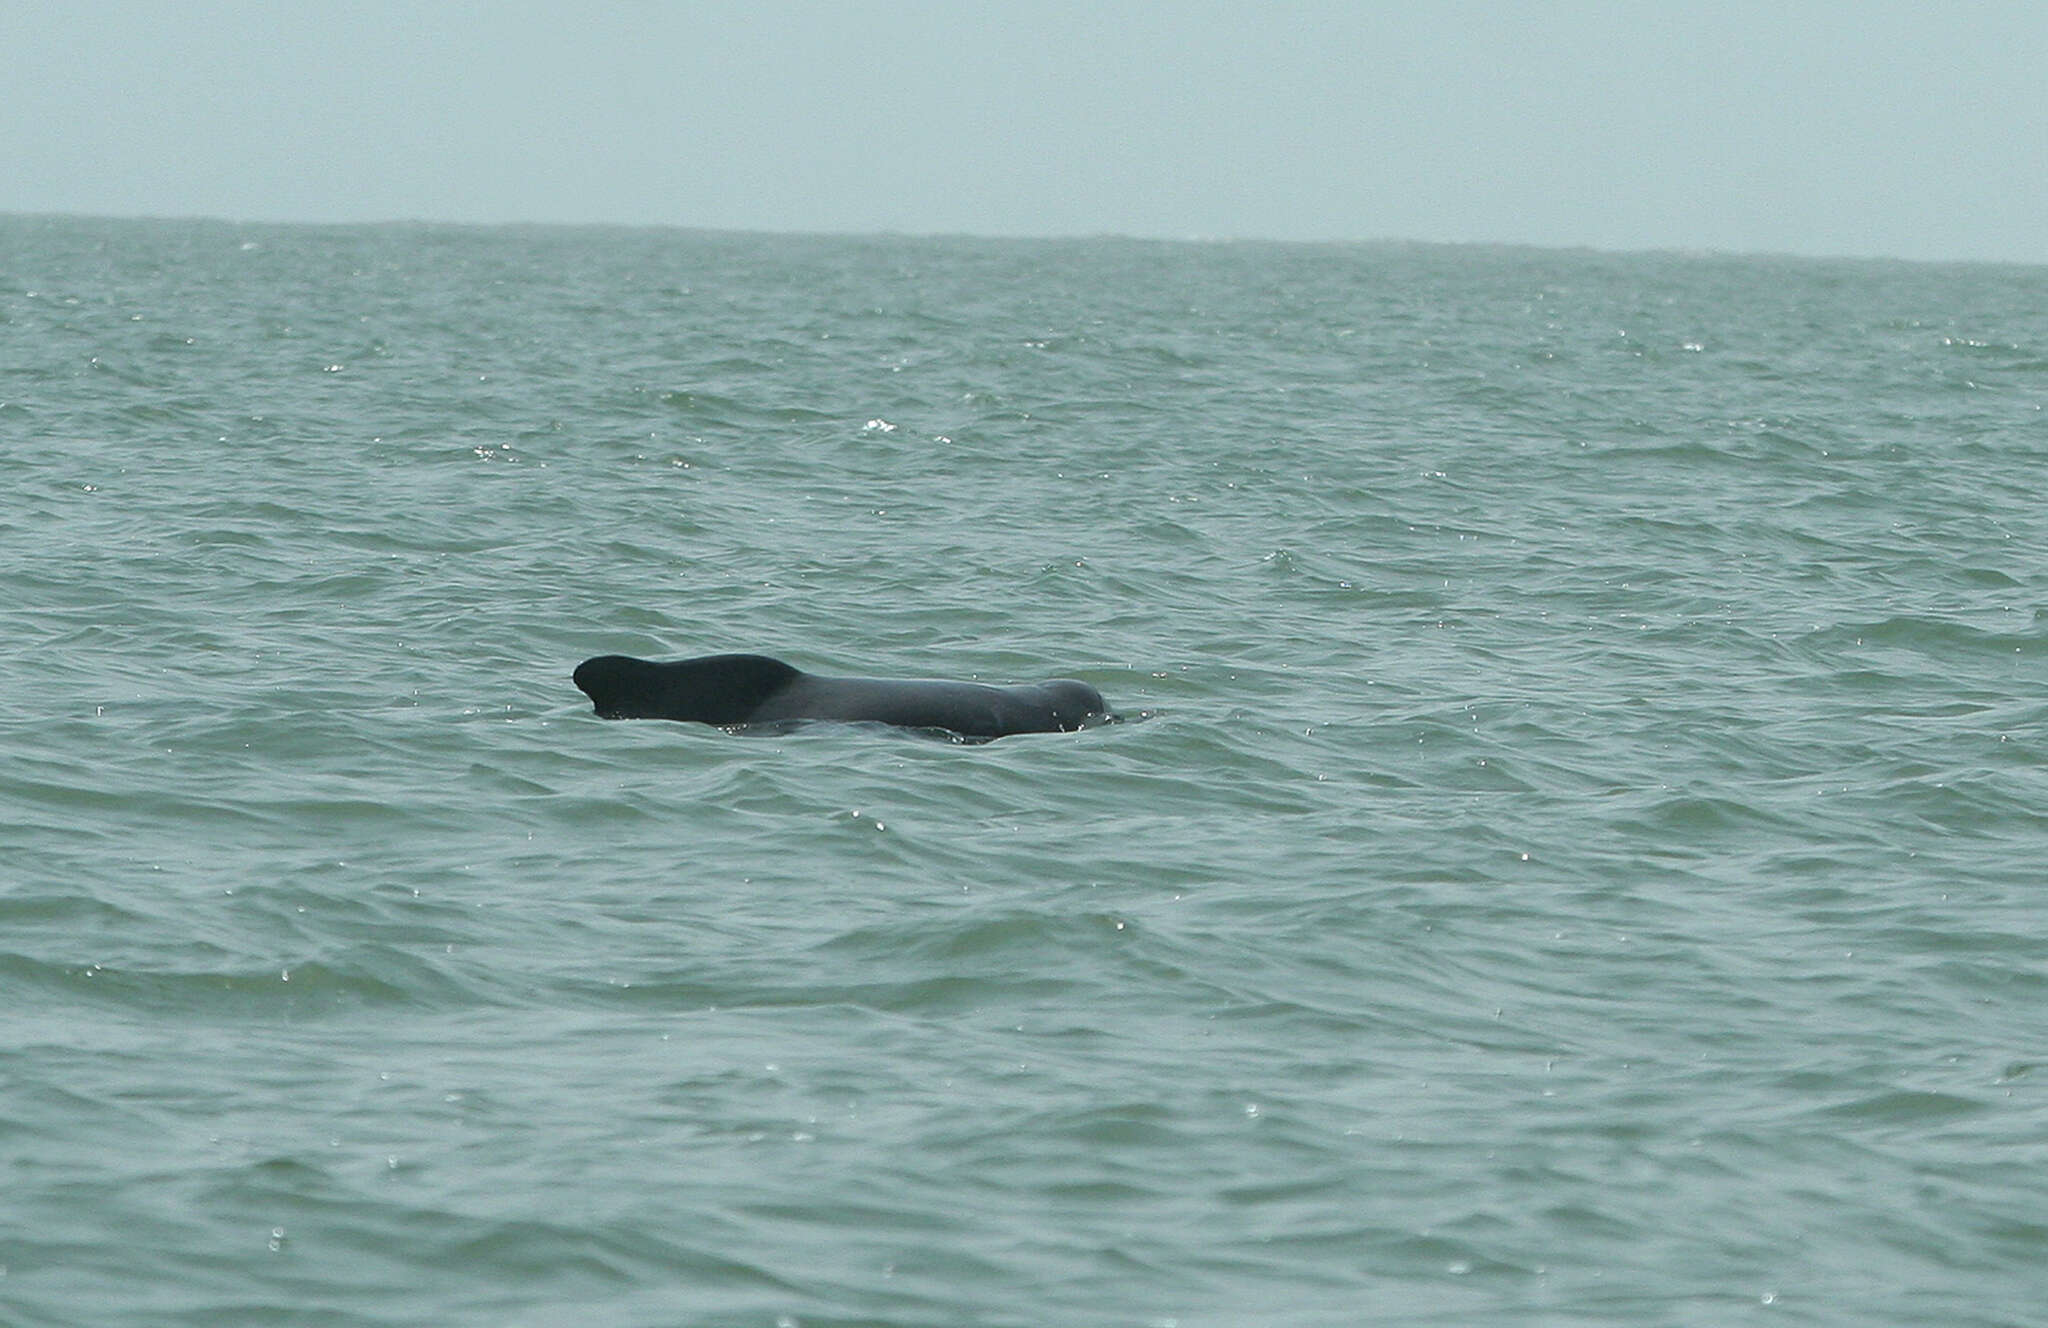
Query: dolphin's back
(733, 690)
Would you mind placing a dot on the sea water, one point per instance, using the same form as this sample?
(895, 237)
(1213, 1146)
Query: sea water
(1576, 852)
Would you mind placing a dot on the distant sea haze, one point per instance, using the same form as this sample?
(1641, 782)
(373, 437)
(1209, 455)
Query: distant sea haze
(1574, 856)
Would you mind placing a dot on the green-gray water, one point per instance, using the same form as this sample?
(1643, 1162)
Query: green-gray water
(1578, 856)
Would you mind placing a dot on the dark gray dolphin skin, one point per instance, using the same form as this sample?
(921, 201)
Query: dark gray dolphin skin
(732, 690)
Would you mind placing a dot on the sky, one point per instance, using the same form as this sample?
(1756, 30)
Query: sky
(1794, 126)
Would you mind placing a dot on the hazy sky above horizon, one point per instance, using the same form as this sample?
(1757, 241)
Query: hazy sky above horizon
(1826, 127)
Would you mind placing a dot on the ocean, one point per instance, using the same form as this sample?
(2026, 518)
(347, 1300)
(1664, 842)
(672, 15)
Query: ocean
(1575, 852)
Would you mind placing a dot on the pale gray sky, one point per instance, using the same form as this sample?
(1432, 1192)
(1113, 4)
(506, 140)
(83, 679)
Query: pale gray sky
(1826, 127)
